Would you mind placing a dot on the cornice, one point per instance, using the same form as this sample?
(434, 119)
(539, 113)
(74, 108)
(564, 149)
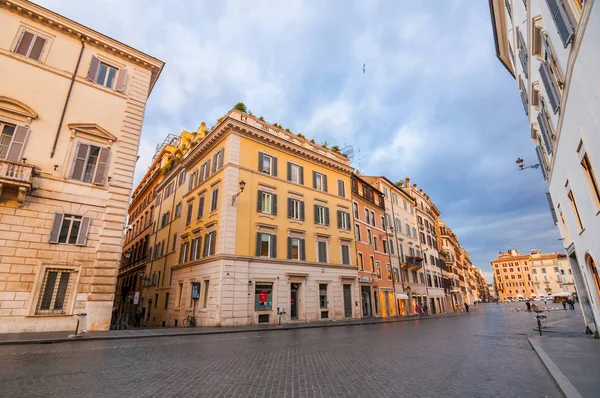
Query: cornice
(71, 28)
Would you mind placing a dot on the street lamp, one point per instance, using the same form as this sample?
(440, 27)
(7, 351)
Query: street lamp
(521, 167)
(242, 186)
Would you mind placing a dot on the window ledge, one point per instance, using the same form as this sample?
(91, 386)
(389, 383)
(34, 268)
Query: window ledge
(266, 215)
(293, 220)
(581, 232)
(321, 226)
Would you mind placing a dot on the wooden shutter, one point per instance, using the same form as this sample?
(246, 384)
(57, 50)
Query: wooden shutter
(314, 174)
(93, 70)
(289, 248)
(259, 201)
(56, 226)
(274, 167)
(198, 248)
(221, 158)
(102, 166)
(274, 204)
(121, 80)
(325, 183)
(542, 161)
(273, 246)
(549, 198)
(260, 162)
(316, 207)
(289, 171)
(302, 210)
(201, 207)
(37, 49)
(550, 85)
(214, 163)
(79, 162)
(258, 236)
(290, 207)
(327, 216)
(213, 242)
(24, 43)
(205, 250)
(564, 23)
(17, 144)
(544, 128)
(301, 175)
(83, 231)
(302, 250)
(339, 219)
(207, 171)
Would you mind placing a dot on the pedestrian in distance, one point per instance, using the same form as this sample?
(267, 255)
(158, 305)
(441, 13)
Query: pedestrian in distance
(138, 318)
(466, 307)
(419, 311)
(424, 309)
(564, 303)
(528, 304)
(571, 304)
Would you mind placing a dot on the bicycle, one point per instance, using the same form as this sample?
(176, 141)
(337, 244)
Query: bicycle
(189, 321)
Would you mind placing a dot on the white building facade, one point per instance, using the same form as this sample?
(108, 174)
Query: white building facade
(550, 47)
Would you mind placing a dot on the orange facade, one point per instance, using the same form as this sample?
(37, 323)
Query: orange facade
(372, 255)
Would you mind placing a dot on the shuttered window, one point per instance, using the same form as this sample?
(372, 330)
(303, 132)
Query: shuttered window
(183, 253)
(267, 203)
(322, 251)
(342, 188)
(70, 229)
(551, 205)
(564, 20)
(321, 215)
(296, 249)
(523, 57)
(542, 160)
(210, 240)
(295, 173)
(295, 209)
(343, 220)
(200, 208)
(55, 292)
(217, 161)
(267, 164)
(90, 163)
(266, 245)
(31, 45)
(544, 125)
(106, 75)
(320, 181)
(550, 85)
(345, 254)
(214, 202)
(12, 141)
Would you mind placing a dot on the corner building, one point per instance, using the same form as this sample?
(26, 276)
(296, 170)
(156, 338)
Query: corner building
(267, 232)
(72, 103)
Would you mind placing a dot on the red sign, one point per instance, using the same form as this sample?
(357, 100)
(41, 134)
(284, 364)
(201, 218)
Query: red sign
(262, 296)
(292, 299)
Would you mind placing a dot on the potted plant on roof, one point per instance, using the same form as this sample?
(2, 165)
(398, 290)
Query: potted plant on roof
(240, 106)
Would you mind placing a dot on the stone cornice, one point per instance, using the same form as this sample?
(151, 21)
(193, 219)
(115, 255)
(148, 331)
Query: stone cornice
(71, 28)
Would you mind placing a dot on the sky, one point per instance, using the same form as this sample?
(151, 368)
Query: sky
(434, 104)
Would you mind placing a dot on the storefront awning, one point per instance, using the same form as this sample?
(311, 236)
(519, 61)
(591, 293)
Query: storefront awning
(401, 296)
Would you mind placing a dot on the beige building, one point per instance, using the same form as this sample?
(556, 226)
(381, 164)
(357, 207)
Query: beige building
(551, 273)
(72, 103)
(512, 275)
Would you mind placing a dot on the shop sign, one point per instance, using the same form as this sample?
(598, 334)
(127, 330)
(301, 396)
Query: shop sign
(195, 290)
(365, 279)
(262, 296)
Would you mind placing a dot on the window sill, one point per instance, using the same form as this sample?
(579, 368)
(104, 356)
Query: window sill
(266, 215)
(295, 221)
(48, 315)
(582, 231)
(321, 226)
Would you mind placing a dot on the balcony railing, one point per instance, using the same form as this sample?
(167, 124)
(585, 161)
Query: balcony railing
(413, 262)
(16, 175)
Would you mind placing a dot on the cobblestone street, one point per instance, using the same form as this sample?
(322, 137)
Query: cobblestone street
(482, 354)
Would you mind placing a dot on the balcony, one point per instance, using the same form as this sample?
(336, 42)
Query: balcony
(15, 175)
(413, 262)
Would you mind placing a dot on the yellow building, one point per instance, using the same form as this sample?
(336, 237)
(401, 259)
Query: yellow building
(551, 273)
(266, 228)
(72, 102)
(512, 276)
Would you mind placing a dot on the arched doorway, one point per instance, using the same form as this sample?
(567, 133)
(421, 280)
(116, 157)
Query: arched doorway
(594, 271)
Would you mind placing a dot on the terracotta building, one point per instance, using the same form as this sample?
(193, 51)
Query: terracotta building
(72, 103)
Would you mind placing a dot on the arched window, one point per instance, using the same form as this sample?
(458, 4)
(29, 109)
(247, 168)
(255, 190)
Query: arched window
(594, 271)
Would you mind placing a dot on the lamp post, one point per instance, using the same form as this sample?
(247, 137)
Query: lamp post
(521, 167)
(234, 197)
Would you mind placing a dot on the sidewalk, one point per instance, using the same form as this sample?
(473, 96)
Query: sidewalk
(570, 356)
(62, 337)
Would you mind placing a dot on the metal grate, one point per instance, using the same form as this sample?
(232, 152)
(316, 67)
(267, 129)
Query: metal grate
(55, 292)
(263, 318)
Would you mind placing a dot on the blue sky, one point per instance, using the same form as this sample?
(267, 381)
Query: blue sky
(434, 104)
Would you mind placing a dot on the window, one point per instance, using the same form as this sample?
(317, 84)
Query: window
(341, 185)
(295, 173)
(355, 210)
(181, 178)
(164, 220)
(367, 216)
(321, 215)
(54, 294)
(217, 161)
(266, 245)
(359, 260)
(205, 300)
(319, 181)
(369, 237)
(375, 243)
(200, 208)
(589, 173)
(267, 164)
(564, 19)
(296, 249)
(392, 244)
(345, 254)
(508, 8)
(384, 244)
(377, 269)
(210, 240)
(389, 271)
(12, 141)
(190, 210)
(394, 198)
(174, 245)
(343, 220)
(295, 209)
(204, 171)
(357, 232)
(322, 295)
(177, 210)
(183, 253)
(263, 296)
(396, 275)
(106, 75)
(214, 200)
(382, 220)
(523, 57)
(372, 263)
(31, 45)
(372, 218)
(195, 248)
(70, 229)
(322, 251)
(267, 203)
(90, 163)
(575, 210)
(167, 301)
(193, 180)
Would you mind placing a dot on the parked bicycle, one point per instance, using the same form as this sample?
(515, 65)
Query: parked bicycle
(189, 321)
(539, 317)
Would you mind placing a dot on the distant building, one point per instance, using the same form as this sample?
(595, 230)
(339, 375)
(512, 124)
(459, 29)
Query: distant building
(551, 49)
(551, 273)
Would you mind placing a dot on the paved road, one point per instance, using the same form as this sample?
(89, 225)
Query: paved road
(481, 354)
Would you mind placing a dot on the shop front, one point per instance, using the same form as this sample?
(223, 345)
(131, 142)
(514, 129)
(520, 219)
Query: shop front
(365, 295)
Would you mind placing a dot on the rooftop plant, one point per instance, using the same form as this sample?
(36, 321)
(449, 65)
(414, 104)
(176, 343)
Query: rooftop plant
(240, 106)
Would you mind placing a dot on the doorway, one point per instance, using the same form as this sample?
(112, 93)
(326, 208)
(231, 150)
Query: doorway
(347, 301)
(294, 301)
(387, 304)
(365, 292)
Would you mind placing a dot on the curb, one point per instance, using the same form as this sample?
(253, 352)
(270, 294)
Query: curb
(216, 331)
(567, 388)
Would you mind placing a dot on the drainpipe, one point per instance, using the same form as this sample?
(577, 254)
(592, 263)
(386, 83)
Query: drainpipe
(62, 116)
